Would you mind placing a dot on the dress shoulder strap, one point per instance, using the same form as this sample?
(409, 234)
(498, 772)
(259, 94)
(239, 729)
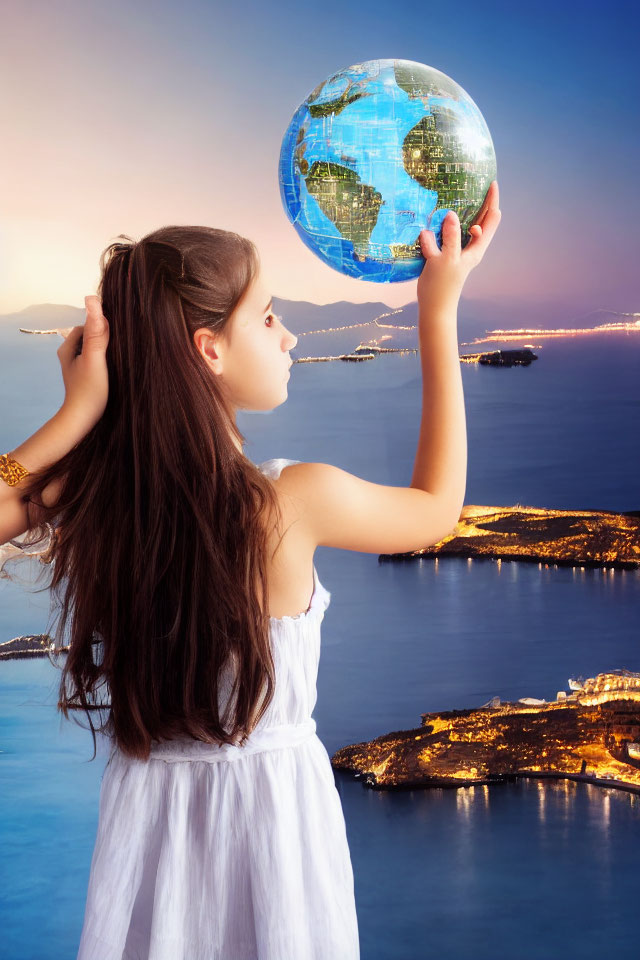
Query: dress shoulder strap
(273, 468)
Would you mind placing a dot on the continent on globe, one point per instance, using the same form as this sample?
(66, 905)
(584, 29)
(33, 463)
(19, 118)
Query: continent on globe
(351, 205)
(377, 153)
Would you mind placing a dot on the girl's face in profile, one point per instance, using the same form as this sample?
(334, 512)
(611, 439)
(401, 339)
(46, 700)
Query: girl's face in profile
(252, 353)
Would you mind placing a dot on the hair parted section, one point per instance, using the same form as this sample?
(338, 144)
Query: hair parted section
(160, 555)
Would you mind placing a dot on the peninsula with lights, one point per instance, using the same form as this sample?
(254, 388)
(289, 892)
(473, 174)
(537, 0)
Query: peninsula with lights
(590, 734)
(577, 538)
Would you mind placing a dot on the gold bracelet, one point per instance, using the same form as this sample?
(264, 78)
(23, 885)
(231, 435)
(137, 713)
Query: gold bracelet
(11, 471)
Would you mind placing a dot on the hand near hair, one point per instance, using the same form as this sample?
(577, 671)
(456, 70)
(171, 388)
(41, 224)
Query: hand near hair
(446, 270)
(83, 360)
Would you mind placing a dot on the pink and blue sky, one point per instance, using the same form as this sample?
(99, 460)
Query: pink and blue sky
(122, 117)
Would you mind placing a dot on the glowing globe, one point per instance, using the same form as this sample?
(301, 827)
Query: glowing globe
(377, 153)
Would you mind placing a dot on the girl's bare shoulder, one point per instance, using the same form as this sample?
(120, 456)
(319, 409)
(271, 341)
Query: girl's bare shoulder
(340, 509)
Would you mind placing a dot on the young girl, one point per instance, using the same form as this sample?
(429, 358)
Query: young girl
(186, 576)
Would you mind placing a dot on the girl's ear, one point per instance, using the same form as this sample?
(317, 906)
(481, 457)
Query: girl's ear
(206, 344)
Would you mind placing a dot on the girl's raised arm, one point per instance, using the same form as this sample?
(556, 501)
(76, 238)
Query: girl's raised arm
(342, 510)
(86, 389)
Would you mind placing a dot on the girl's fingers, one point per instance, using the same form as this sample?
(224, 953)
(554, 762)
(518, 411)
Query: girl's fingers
(428, 244)
(481, 240)
(475, 235)
(72, 336)
(491, 223)
(451, 236)
(491, 199)
(96, 326)
(94, 332)
(72, 345)
(480, 232)
(95, 317)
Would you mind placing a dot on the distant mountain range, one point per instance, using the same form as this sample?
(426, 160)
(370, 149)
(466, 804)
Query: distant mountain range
(336, 328)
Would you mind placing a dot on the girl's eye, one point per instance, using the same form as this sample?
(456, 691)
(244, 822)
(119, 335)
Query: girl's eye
(272, 316)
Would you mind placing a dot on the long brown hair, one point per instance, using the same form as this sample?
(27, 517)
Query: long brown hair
(159, 558)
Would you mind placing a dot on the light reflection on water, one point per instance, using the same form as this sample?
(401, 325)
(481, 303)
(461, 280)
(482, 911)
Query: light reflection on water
(453, 873)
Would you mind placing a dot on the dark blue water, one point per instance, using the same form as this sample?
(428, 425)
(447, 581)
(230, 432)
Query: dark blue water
(527, 869)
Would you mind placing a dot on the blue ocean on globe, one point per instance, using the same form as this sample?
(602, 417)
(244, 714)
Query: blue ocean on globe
(377, 153)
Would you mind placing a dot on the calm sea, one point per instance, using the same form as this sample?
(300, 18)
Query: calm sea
(524, 870)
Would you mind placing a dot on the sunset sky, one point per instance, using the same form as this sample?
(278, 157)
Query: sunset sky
(122, 117)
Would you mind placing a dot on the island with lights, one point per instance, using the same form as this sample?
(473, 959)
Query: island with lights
(590, 734)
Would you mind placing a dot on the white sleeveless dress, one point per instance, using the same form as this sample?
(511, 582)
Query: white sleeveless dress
(222, 852)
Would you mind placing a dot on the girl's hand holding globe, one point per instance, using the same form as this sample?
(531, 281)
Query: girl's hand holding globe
(446, 270)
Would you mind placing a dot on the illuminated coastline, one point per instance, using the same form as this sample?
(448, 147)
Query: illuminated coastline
(383, 333)
(28, 646)
(623, 326)
(590, 734)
